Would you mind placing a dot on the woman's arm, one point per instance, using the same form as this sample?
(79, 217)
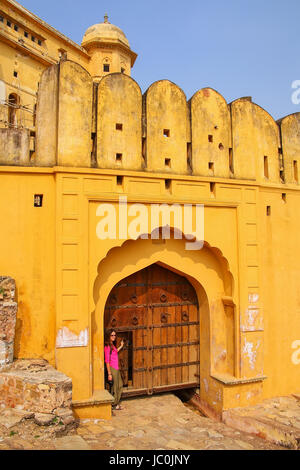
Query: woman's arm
(107, 358)
(121, 346)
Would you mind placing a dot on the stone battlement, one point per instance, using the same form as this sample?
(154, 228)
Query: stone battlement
(111, 125)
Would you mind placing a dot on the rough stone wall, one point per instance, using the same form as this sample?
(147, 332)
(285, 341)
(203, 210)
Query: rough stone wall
(8, 313)
(33, 385)
(15, 147)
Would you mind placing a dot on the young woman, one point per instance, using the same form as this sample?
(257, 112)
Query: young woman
(112, 365)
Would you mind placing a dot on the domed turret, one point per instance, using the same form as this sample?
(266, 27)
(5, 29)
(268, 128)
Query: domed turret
(109, 50)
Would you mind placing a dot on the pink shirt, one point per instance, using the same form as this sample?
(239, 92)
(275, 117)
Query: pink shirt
(111, 359)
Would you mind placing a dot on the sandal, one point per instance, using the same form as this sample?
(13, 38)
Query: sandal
(119, 407)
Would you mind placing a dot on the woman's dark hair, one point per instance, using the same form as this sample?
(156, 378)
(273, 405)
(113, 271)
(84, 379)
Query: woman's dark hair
(107, 337)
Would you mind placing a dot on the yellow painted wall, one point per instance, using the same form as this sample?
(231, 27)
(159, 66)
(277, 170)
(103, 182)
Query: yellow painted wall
(211, 134)
(246, 276)
(165, 108)
(28, 255)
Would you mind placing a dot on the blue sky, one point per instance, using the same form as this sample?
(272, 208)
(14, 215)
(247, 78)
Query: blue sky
(238, 47)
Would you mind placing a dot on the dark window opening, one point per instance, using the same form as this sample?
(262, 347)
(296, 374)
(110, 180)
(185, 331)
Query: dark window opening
(168, 184)
(283, 197)
(119, 127)
(39, 42)
(122, 70)
(211, 166)
(15, 74)
(119, 157)
(168, 162)
(210, 138)
(32, 38)
(38, 200)
(295, 166)
(1, 19)
(266, 167)
(106, 68)
(268, 210)
(281, 175)
(120, 180)
(16, 27)
(166, 132)
(221, 146)
(26, 34)
(212, 187)
(8, 24)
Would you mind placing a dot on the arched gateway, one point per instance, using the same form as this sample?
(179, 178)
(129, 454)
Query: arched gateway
(156, 312)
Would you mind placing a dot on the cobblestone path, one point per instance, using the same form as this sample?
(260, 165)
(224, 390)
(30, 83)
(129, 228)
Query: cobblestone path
(148, 423)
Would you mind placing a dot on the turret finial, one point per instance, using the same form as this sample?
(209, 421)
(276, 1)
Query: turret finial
(105, 18)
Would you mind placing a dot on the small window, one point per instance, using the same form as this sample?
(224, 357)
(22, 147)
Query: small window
(1, 19)
(16, 27)
(168, 184)
(122, 70)
(212, 187)
(26, 34)
(38, 200)
(119, 157)
(8, 24)
(119, 127)
(283, 195)
(119, 180)
(221, 146)
(166, 132)
(266, 167)
(106, 68)
(33, 38)
(295, 167)
(168, 162)
(39, 42)
(210, 138)
(211, 166)
(15, 74)
(268, 210)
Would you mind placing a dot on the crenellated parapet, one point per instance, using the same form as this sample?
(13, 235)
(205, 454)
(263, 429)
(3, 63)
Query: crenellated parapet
(111, 125)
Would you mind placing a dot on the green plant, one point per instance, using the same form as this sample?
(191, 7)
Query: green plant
(12, 433)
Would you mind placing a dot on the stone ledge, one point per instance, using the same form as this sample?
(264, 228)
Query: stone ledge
(228, 379)
(99, 397)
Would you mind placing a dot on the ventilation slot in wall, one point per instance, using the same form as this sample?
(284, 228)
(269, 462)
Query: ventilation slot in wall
(295, 167)
(119, 157)
(168, 184)
(212, 187)
(119, 127)
(283, 197)
(120, 180)
(268, 210)
(211, 166)
(266, 167)
(166, 132)
(168, 162)
(210, 138)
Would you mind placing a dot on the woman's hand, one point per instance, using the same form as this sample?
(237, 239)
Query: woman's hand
(122, 343)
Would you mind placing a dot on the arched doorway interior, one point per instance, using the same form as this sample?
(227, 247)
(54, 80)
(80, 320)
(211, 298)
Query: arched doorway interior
(156, 312)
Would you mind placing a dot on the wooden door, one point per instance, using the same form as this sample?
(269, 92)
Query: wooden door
(156, 312)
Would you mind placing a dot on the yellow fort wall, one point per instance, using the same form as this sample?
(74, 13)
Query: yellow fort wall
(246, 276)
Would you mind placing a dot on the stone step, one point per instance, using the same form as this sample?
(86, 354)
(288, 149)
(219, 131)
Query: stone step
(264, 427)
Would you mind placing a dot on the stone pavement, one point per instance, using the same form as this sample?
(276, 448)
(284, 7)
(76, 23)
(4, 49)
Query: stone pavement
(148, 423)
(276, 419)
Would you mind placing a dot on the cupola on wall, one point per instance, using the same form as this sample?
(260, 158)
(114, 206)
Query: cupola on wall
(109, 50)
